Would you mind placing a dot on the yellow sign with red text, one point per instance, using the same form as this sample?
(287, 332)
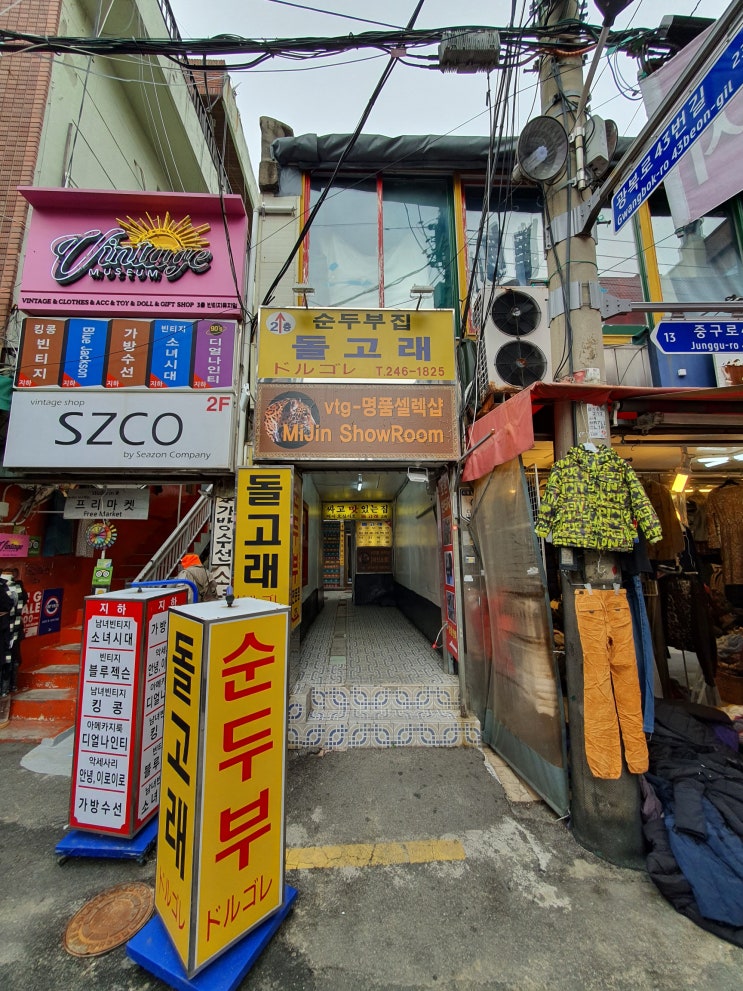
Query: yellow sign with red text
(241, 861)
(220, 861)
(176, 838)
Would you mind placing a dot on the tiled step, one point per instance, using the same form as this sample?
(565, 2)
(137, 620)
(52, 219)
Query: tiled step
(336, 717)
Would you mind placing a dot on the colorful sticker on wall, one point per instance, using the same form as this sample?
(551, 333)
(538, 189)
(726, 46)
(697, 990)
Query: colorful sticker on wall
(101, 534)
(103, 570)
(50, 617)
(14, 545)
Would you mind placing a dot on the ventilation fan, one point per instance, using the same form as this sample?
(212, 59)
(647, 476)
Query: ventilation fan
(516, 336)
(515, 313)
(521, 363)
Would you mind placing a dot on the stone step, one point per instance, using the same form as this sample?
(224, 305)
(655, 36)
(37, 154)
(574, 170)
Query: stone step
(49, 676)
(342, 717)
(44, 704)
(60, 653)
(32, 730)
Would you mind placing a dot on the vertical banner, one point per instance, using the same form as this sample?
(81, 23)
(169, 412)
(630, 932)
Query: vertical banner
(295, 613)
(170, 365)
(153, 705)
(128, 354)
(85, 353)
(40, 361)
(220, 859)
(214, 353)
(446, 540)
(109, 680)
(222, 542)
(50, 619)
(174, 874)
(263, 534)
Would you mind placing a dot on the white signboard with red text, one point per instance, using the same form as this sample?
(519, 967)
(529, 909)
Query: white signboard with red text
(121, 700)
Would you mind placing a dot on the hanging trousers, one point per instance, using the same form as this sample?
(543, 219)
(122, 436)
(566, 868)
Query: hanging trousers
(643, 649)
(611, 686)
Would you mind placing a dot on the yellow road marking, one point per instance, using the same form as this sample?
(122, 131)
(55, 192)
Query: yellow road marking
(373, 854)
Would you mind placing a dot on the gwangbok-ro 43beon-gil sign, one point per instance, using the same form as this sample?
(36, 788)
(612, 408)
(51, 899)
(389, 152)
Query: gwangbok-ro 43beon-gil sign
(115, 253)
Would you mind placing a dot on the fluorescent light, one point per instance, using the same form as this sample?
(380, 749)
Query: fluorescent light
(714, 462)
(679, 482)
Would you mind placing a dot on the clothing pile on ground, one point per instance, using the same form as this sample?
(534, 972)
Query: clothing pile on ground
(693, 815)
(730, 664)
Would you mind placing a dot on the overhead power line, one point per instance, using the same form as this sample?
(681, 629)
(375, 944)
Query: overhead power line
(571, 37)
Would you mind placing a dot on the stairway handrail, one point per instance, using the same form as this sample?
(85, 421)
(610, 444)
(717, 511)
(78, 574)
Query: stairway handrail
(163, 562)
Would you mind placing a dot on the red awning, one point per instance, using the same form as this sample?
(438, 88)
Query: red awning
(508, 430)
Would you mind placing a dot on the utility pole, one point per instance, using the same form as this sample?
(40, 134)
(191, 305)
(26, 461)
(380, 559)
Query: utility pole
(605, 815)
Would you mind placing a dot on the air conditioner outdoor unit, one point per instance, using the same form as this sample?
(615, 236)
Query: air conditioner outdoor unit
(515, 329)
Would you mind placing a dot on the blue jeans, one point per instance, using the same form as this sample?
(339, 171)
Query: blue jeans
(643, 649)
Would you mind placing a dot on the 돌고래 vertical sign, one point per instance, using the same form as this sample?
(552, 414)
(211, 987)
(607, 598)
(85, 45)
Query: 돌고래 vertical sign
(220, 859)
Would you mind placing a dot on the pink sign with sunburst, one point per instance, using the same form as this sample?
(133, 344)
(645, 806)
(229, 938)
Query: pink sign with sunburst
(92, 252)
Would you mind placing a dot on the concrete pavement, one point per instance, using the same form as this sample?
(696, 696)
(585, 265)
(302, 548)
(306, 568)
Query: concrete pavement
(506, 900)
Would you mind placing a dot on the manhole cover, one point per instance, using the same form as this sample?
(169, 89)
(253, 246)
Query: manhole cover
(109, 919)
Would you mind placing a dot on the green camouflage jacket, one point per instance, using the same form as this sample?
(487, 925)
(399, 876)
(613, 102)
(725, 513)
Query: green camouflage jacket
(594, 499)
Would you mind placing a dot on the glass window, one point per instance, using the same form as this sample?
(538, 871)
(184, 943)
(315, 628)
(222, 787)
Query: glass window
(699, 262)
(512, 248)
(418, 244)
(618, 267)
(343, 257)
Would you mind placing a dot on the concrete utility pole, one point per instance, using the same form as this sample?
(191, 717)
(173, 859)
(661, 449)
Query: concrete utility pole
(605, 814)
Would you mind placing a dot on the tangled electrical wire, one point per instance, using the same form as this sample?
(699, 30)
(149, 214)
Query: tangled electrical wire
(518, 45)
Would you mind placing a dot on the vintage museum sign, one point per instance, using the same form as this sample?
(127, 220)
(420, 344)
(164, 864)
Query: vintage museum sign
(102, 253)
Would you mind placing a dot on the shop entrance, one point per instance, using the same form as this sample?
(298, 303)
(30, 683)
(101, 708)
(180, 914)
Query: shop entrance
(371, 670)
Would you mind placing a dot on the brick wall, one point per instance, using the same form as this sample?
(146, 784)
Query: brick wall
(24, 87)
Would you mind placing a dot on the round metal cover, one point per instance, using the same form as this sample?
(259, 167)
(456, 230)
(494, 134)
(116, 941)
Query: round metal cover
(109, 919)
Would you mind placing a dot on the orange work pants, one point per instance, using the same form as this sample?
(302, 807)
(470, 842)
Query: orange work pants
(611, 684)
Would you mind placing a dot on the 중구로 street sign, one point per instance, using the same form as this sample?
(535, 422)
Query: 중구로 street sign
(690, 337)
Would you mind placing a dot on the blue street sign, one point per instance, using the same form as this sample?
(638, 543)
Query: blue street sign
(688, 337)
(708, 99)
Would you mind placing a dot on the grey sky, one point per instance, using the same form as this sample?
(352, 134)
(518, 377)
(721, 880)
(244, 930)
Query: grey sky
(328, 96)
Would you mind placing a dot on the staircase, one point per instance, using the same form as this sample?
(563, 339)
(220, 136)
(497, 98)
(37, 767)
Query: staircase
(340, 717)
(44, 704)
(367, 679)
